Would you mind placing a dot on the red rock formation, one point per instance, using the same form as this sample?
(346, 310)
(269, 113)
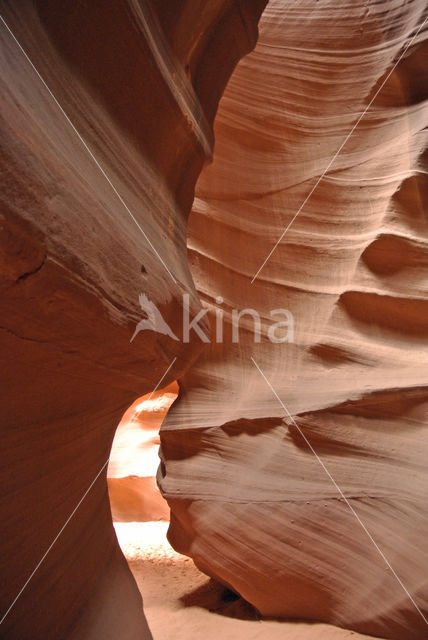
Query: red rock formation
(251, 504)
(139, 82)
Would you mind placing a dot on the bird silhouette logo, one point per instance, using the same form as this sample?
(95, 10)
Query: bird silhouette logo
(154, 320)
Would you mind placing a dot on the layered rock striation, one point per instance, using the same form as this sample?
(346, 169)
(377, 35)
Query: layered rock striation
(296, 471)
(106, 122)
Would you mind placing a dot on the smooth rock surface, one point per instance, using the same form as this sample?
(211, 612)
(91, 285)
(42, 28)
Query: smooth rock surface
(251, 503)
(181, 602)
(135, 85)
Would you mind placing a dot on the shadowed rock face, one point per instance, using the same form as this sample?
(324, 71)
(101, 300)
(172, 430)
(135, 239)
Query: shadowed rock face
(140, 81)
(251, 504)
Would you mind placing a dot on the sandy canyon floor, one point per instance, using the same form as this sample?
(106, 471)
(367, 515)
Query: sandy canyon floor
(182, 603)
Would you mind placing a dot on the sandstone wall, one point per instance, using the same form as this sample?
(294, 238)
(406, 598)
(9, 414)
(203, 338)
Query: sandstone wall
(251, 503)
(140, 82)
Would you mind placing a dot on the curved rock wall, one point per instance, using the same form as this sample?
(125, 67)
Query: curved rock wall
(251, 503)
(134, 84)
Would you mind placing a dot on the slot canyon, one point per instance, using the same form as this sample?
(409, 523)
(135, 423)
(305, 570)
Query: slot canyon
(214, 303)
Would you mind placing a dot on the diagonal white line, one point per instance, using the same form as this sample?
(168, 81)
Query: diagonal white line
(56, 537)
(351, 508)
(160, 381)
(339, 150)
(73, 512)
(122, 201)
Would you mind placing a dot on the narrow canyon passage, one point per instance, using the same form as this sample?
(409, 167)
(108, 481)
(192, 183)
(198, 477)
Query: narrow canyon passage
(231, 196)
(134, 459)
(180, 601)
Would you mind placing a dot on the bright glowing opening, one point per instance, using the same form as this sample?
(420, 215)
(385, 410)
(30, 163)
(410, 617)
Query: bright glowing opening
(134, 459)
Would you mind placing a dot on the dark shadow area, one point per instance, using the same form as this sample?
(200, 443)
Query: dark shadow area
(216, 598)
